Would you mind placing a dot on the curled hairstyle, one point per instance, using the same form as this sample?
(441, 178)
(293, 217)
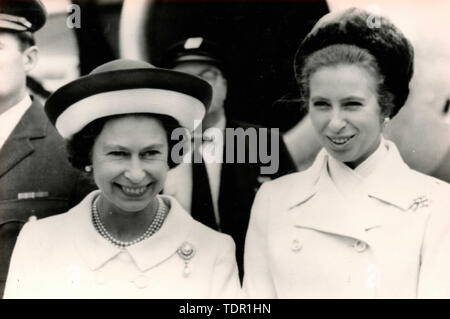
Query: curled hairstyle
(80, 146)
(345, 54)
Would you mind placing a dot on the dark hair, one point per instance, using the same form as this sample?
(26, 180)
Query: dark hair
(345, 54)
(80, 146)
(393, 53)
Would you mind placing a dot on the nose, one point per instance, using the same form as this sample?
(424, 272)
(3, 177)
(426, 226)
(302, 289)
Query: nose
(337, 122)
(135, 172)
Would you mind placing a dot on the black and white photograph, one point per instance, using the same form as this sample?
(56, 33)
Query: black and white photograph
(242, 151)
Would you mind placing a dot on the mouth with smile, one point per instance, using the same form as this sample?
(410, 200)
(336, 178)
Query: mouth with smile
(340, 141)
(134, 191)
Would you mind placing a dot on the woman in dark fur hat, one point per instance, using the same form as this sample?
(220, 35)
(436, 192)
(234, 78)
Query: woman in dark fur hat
(359, 223)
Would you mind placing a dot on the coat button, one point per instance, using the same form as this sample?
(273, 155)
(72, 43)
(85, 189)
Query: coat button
(296, 246)
(359, 246)
(32, 218)
(141, 281)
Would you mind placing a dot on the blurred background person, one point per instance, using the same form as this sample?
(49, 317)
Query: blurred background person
(124, 240)
(36, 179)
(219, 193)
(328, 232)
(259, 37)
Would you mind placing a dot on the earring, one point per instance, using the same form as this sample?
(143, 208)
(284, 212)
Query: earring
(386, 121)
(88, 168)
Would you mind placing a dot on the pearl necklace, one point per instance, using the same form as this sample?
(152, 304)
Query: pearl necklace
(152, 228)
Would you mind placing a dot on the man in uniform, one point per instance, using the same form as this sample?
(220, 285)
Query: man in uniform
(36, 179)
(219, 192)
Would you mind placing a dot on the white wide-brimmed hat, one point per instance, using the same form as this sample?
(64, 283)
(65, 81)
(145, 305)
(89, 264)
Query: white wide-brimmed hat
(127, 87)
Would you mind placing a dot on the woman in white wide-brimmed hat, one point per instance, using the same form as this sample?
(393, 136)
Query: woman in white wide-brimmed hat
(124, 240)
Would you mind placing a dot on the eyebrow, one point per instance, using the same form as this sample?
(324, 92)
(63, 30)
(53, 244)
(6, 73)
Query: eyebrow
(116, 146)
(349, 98)
(318, 98)
(353, 98)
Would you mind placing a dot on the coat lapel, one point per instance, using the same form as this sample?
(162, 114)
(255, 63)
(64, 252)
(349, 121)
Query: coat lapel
(164, 244)
(325, 209)
(97, 251)
(322, 207)
(394, 182)
(18, 146)
(94, 249)
(328, 211)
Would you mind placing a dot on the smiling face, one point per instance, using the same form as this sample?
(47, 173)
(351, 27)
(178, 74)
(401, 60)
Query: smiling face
(129, 161)
(345, 113)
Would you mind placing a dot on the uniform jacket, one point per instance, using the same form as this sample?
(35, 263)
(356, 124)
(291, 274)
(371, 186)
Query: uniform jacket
(306, 240)
(63, 256)
(36, 179)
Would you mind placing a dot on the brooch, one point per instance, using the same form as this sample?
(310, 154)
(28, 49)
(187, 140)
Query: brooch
(186, 252)
(419, 202)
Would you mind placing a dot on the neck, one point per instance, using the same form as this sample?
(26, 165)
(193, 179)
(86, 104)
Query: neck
(358, 162)
(8, 102)
(126, 226)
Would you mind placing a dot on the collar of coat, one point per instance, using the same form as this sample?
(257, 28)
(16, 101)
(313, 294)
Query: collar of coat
(390, 182)
(96, 251)
(313, 200)
(32, 125)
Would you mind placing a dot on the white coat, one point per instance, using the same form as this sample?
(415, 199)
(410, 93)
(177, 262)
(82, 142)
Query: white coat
(306, 239)
(64, 257)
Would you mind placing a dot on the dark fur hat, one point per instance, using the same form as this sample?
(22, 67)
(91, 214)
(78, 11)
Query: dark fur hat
(393, 52)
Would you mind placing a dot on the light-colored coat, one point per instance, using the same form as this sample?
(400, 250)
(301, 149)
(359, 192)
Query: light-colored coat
(305, 240)
(64, 257)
